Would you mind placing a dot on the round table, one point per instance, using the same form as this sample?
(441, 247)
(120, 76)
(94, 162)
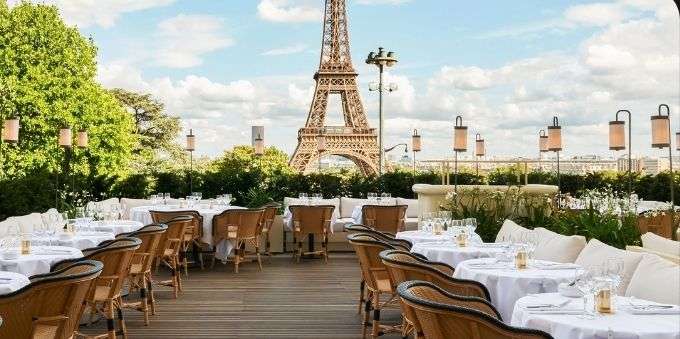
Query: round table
(80, 240)
(10, 282)
(418, 236)
(450, 253)
(116, 226)
(506, 284)
(623, 323)
(39, 261)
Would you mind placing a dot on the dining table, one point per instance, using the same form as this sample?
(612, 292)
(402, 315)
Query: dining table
(507, 284)
(79, 239)
(11, 281)
(451, 253)
(418, 236)
(563, 318)
(116, 226)
(38, 261)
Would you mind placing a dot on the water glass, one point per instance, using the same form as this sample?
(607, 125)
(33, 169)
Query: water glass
(615, 271)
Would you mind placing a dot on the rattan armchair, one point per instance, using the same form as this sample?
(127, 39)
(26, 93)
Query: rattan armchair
(140, 268)
(308, 220)
(192, 236)
(267, 222)
(405, 266)
(384, 218)
(443, 315)
(104, 295)
(169, 249)
(241, 227)
(388, 237)
(377, 281)
(50, 305)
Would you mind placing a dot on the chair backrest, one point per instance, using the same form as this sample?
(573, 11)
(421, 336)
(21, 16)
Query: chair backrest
(269, 214)
(367, 248)
(150, 235)
(384, 236)
(311, 219)
(384, 218)
(195, 228)
(174, 234)
(441, 313)
(237, 223)
(404, 266)
(51, 303)
(116, 256)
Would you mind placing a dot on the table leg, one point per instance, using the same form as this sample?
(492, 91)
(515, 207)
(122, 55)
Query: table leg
(310, 242)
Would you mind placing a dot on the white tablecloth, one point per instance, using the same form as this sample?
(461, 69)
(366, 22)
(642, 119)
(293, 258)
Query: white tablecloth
(622, 323)
(506, 285)
(288, 220)
(450, 253)
(39, 261)
(10, 282)
(419, 236)
(116, 226)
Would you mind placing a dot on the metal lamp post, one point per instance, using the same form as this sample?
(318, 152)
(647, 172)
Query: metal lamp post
(415, 147)
(480, 150)
(65, 141)
(617, 142)
(555, 145)
(459, 145)
(320, 146)
(381, 59)
(542, 147)
(191, 147)
(661, 138)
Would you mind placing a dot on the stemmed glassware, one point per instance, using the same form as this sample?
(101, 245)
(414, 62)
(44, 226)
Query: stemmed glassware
(615, 271)
(372, 197)
(583, 281)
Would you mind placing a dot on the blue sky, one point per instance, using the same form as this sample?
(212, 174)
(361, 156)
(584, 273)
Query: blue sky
(506, 66)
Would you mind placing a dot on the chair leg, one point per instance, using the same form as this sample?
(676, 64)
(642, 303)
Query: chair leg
(121, 320)
(144, 304)
(376, 315)
(267, 245)
(237, 258)
(185, 260)
(367, 314)
(299, 251)
(259, 259)
(325, 248)
(362, 286)
(110, 328)
(178, 269)
(150, 296)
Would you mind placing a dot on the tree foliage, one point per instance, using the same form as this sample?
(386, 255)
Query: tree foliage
(47, 79)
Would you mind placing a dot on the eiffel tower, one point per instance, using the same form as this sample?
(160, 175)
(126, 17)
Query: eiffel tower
(356, 140)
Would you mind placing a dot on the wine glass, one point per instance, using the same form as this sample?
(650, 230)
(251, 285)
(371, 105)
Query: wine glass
(583, 281)
(615, 271)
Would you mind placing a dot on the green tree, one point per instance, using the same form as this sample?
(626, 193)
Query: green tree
(156, 131)
(47, 79)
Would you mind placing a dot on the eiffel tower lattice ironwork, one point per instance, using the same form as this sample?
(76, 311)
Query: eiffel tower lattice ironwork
(356, 140)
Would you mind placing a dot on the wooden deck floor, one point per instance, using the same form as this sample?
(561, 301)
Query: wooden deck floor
(286, 300)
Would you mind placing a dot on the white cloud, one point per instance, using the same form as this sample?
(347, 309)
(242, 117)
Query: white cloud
(382, 2)
(596, 14)
(185, 38)
(463, 77)
(104, 13)
(608, 57)
(289, 10)
(293, 49)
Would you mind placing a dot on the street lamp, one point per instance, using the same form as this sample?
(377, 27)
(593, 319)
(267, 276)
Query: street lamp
(661, 138)
(542, 147)
(459, 145)
(381, 59)
(9, 132)
(191, 147)
(259, 146)
(555, 145)
(65, 141)
(415, 146)
(617, 142)
(320, 146)
(480, 150)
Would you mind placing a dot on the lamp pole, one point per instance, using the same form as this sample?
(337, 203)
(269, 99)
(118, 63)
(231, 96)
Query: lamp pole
(661, 138)
(415, 147)
(480, 150)
(191, 147)
(459, 145)
(542, 148)
(617, 142)
(555, 145)
(65, 141)
(381, 59)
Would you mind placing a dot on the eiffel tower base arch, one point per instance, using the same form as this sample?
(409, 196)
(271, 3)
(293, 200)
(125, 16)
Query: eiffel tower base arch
(361, 149)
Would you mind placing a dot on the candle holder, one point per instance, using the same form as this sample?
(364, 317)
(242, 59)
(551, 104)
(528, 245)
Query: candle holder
(25, 246)
(603, 300)
(461, 239)
(521, 258)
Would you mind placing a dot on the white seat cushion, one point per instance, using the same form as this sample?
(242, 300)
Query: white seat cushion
(511, 231)
(7, 225)
(556, 247)
(656, 279)
(129, 203)
(412, 210)
(347, 206)
(660, 244)
(596, 253)
(28, 223)
(411, 224)
(340, 223)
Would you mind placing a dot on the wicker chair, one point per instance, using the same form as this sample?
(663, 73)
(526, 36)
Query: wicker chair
(50, 305)
(405, 266)
(308, 220)
(384, 218)
(240, 227)
(445, 315)
(104, 295)
(270, 211)
(169, 249)
(377, 280)
(140, 269)
(193, 234)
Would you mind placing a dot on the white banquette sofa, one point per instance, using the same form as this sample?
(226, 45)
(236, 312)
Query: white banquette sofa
(648, 270)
